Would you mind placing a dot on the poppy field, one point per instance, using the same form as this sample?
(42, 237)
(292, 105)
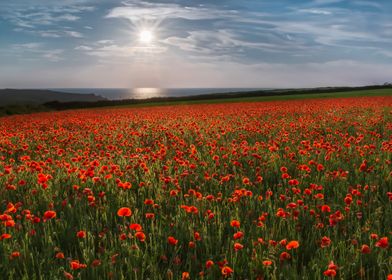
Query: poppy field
(297, 189)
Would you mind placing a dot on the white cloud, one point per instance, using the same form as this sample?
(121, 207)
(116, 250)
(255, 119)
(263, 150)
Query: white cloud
(141, 11)
(316, 11)
(36, 50)
(225, 42)
(115, 51)
(48, 33)
(53, 55)
(73, 34)
(32, 45)
(83, 48)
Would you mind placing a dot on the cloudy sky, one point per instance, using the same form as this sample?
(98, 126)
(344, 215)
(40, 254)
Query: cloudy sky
(209, 43)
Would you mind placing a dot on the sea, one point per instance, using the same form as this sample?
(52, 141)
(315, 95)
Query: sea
(142, 93)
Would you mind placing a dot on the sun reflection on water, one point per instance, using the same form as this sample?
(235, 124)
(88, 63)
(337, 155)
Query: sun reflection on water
(142, 93)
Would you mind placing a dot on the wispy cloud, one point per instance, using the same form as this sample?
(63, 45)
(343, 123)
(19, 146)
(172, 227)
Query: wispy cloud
(316, 11)
(31, 17)
(83, 48)
(53, 55)
(44, 19)
(318, 25)
(36, 50)
(114, 52)
(217, 43)
(142, 10)
(73, 34)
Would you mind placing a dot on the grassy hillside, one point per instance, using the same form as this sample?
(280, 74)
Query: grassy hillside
(355, 93)
(31, 97)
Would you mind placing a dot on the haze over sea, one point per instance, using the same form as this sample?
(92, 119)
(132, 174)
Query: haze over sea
(141, 93)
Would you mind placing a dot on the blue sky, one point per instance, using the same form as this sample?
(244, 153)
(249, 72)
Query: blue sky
(220, 43)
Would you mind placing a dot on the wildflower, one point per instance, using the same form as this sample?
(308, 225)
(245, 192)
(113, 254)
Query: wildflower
(50, 215)
(365, 249)
(150, 215)
(235, 223)
(227, 271)
(292, 245)
(15, 255)
(68, 275)
(238, 246)
(136, 227)
(197, 236)
(172, 241)
(209, 264)
(124, 212)
(60, 255)
(185, 275)
(325, 208)
(5, 236)
(284, 256)
(382, 243)
(238, 235)
(325, 242)
(140, 236)
(81, 234)
(330, 273)
(75, 264)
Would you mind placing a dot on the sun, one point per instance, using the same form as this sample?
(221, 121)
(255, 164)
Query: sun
(146, 36)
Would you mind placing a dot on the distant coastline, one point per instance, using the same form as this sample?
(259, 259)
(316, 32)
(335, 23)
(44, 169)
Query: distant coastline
(17, 101)
(145, 93)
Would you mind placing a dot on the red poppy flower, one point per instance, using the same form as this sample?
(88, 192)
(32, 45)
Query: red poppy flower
(68, 275)
(124, 212)
(330, 273)
(15, 255)
(209, 264)
(333, 266)
(75, 264)
(150, 215)
(81, 234)
(325, 208)
(227, 271)
(365, 249)
(5, 236)
(238, 235)
(284, 256)
(50, 214)
(325, 242)
(238, 246)
(60, 255)
(197, 236)
(185, 276)
(172, 241)
(235, 223)
(292, 245)
(136, 227)
(382, 243)
(140, 236)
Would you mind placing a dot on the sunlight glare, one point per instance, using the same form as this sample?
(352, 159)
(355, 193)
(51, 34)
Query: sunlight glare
(146, 36)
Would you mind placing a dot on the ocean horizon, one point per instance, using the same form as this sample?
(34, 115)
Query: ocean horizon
(142, 93)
